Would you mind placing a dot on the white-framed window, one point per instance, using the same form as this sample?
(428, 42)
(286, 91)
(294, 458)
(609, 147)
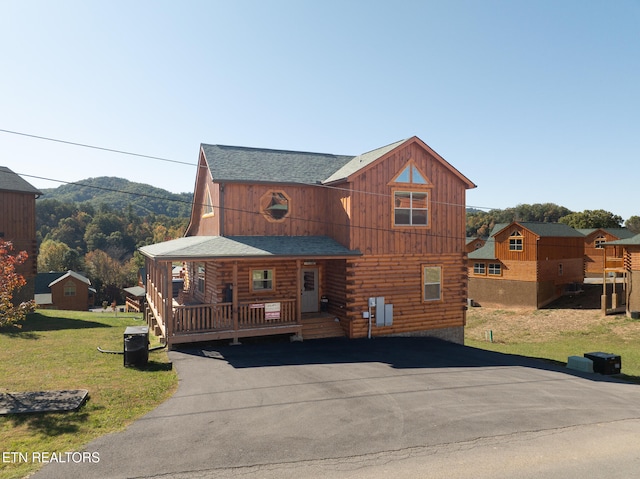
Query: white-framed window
(479, 268)
(495, 269)
(515, 241)
(432, 283)
(262, 280)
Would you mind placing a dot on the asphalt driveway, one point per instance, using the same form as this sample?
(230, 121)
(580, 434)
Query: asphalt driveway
(262, 405)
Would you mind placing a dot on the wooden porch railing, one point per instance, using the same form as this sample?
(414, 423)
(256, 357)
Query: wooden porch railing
(264, 315)
(612, 262)
(203, 318)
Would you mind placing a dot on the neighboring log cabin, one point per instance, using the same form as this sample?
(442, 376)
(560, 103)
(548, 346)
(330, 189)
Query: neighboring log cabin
(279, 240)
(526, 264)
(621, 276)
(18, 225)
(593, 247)
(64, 290)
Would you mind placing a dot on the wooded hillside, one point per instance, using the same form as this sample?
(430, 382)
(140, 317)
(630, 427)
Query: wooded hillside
(122, 195)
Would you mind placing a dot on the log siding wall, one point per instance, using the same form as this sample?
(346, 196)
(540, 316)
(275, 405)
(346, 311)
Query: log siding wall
(399, 280)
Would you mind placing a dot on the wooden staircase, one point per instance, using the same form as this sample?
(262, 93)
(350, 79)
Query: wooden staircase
(320, 325)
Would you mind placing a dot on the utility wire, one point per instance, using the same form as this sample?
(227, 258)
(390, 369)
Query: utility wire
(84, 145)
(417, 232)
(157, 158)
(112, 150)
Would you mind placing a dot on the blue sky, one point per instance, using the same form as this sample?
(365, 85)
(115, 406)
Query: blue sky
(534, 101)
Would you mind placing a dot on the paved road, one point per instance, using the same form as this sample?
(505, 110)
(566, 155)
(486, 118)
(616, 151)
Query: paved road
(401, 407)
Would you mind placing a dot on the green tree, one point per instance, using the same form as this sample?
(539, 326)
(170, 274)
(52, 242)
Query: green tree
(592, 219)
(51, 256)
(633, 224)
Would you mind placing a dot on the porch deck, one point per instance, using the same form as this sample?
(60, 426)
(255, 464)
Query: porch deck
(209, 322)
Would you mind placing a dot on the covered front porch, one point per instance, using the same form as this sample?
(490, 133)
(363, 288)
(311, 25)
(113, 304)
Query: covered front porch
(237, 287)
(621, 268)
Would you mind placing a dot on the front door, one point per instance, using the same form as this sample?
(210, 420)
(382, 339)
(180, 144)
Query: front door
(309, 290)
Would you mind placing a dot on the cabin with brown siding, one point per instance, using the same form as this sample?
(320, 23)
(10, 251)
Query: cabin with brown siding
(594, 239)
(64, 290)
(621, 277)
(526, 264)
(374, 243)
(18, 225)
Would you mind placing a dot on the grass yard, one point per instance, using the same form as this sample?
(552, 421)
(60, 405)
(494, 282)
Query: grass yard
(58, 350)
(556, 333)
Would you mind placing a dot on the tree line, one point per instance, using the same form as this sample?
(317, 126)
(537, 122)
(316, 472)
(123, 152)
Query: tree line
(480, 223)
(99, 242)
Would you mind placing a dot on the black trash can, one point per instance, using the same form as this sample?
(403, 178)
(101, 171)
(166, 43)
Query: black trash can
(605, 363)
(136, 346)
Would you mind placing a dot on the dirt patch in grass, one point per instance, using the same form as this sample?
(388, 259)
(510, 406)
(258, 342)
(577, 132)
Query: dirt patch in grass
(574, 314)
(528, 325)
(573, 325)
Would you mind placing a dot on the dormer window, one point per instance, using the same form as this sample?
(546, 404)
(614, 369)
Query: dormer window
(274, 205)
(515, 241)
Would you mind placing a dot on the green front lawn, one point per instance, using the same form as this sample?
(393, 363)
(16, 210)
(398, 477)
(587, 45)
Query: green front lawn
(55, 350)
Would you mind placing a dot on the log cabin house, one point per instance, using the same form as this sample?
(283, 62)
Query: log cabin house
(526, 264)
(67, 290)
(593, 252)
(18, 226)
(621, 276)
(282, 242)
(474, 242)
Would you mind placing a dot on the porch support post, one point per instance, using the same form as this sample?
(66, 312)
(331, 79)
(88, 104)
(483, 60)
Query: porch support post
(167, 300)
(603, 298)
(234, 305)
(298, 337)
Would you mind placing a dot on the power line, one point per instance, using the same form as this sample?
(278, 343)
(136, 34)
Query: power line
(112, 150)
(418, 233)
(84, 145)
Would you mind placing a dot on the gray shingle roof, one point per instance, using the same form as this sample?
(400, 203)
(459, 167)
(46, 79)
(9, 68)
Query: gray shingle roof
(621, 233)
(361, 161)
(10, 181)
(71, 274)
(202, 247)
(488, 251)
(544, 229)
(236, 163)
(633, 241)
